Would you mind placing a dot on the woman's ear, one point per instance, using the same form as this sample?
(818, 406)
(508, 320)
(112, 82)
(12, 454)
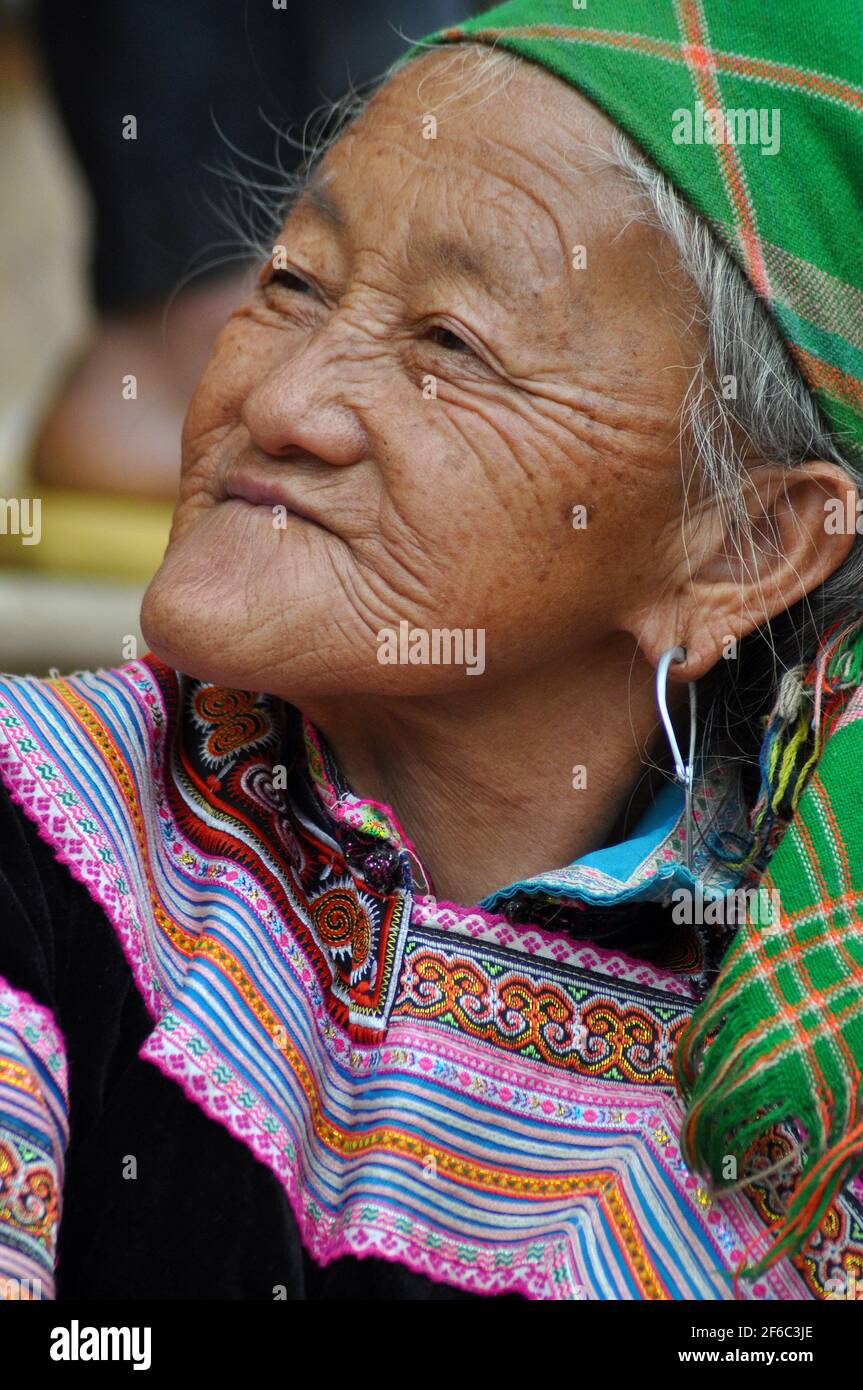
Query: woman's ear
(800, 526)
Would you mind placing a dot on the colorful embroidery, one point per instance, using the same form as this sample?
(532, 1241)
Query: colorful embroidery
(566, 1023)
(488, 1103)
(33, 1138)
(231, 721)
(833, 1261)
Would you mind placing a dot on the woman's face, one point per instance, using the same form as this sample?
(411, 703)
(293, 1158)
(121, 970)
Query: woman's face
(451, 401)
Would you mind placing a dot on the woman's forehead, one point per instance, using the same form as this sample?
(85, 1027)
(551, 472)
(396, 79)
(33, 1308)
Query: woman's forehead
(528, 114)
(489, 189)
(493, 240)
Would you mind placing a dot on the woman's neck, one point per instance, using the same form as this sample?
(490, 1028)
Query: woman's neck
(498, 784)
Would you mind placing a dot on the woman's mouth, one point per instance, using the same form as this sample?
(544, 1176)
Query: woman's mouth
(272, 493)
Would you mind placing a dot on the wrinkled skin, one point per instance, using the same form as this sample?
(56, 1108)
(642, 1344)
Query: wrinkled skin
(450, 261)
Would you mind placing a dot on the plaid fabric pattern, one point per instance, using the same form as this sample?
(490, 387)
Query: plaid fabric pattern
(779, 1041)
(780, 1038)
(792, 217)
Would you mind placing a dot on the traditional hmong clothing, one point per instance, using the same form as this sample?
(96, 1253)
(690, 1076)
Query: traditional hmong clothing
(239, 991)
(240, 988)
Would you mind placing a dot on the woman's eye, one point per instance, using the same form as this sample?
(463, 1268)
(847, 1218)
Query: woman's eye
(449, 341)
(289, 281)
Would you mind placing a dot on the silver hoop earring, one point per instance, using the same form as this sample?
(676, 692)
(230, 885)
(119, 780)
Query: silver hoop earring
(684, 771)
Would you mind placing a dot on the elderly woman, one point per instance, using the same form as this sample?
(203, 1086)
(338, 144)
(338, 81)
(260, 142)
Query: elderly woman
(524, 488)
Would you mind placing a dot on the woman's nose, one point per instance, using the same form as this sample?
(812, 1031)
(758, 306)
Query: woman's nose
(301, 405)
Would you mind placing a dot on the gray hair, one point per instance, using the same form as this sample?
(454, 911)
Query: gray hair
(770, 417)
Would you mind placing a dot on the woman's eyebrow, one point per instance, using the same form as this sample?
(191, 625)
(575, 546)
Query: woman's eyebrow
(444, 254)
(322, 201)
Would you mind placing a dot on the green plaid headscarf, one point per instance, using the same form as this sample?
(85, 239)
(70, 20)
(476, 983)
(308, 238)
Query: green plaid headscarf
(780, 1037)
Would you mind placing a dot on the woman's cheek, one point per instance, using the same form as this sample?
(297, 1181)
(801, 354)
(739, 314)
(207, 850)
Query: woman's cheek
(244, 352)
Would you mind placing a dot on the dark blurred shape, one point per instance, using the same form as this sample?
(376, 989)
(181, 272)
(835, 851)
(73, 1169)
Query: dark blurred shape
(186, 69)
(208, 84)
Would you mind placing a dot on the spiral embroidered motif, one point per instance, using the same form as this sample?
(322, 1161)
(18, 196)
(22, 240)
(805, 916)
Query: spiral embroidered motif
(342, 925)
(596, 1038)
(28, 1193)
(236, 719)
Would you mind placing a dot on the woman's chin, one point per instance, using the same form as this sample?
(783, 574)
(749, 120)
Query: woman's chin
(216, 625)
(221, 603)
(171, 635)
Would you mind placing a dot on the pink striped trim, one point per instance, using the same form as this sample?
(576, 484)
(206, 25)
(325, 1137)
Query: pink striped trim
(330, 1238)
(50, 1046)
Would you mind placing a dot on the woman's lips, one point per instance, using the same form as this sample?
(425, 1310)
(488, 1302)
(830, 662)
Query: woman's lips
(268, 492)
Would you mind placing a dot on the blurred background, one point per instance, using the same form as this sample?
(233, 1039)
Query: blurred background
(137, 138)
